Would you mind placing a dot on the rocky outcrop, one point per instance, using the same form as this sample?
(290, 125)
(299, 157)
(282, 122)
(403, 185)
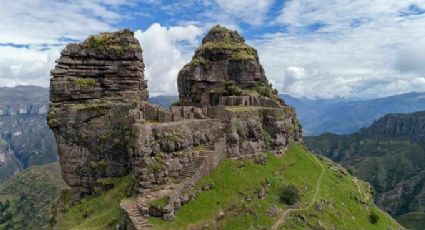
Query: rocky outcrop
(224, 65)
(9, 164)
(405, 125)
(105, 126)
(94, 86)
(225, 73)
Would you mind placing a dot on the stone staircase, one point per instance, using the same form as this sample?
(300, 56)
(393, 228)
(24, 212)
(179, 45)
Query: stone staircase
(137, 220)
(138, 211)
(195, 164)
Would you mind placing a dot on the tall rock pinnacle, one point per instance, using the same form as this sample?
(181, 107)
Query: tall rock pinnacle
(94, 86)
(224, 65)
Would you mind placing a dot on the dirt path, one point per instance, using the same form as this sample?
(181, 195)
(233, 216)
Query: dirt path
(286, 212)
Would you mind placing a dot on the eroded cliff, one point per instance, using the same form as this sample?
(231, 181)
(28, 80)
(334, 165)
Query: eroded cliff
(93, 87)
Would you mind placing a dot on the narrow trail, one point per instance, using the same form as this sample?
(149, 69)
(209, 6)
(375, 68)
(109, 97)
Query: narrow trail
(286, 212)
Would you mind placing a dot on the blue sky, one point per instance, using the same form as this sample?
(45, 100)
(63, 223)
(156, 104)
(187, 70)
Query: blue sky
(328, 48)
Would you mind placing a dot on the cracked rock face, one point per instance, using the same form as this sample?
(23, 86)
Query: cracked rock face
(224, 65)
(93, 89)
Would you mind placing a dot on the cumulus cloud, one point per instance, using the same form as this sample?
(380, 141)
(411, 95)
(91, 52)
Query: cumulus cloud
(347, 48)
(165, 52)
(26, 66)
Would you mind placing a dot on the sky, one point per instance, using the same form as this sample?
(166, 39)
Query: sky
(308, 48)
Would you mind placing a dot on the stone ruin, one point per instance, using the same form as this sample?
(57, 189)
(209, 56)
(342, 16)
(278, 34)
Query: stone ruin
(105, 126)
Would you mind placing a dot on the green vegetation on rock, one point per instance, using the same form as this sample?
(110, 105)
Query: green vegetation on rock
(111, 42)
(85, 82)
(221, 38)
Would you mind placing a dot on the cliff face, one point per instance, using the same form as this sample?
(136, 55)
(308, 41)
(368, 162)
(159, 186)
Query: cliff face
(9, 164)
(93, 87)
(407, 125)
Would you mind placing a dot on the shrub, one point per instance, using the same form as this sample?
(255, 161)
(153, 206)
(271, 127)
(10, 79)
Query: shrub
(290, 195)
(373, 218)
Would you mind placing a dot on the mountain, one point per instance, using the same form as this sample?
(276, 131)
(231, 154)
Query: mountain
(163, 101)
(24, 130)
(390, 154)
(343, 116)
(26, 199)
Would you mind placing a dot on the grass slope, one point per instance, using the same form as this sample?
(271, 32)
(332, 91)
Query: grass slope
(330, 197)
(97, 212)
(30, 195)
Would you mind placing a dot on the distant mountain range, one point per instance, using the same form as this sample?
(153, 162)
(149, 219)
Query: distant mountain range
(390, 154)
(343, 116)
(164, 101)
(25, 138)
(338, 115)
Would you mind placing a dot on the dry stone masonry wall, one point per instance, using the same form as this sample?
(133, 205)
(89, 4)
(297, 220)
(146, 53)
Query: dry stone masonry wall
(105, 127)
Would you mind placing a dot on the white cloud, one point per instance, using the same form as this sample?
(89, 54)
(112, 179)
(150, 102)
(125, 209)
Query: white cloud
(165, 52)
(26, 66)
(253, 12)
(346, 48)
(411, 57)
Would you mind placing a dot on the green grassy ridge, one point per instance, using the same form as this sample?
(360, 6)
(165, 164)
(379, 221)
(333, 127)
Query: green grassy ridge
(31, 194)
(236, 185)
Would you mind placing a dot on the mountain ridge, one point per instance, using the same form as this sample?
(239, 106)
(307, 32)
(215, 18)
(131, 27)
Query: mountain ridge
(344, 116)
(389, 154)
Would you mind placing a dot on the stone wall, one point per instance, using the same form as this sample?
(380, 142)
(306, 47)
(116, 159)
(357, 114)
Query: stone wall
(252, 130)
(248, 101)
(163, 149)
(154, 113)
